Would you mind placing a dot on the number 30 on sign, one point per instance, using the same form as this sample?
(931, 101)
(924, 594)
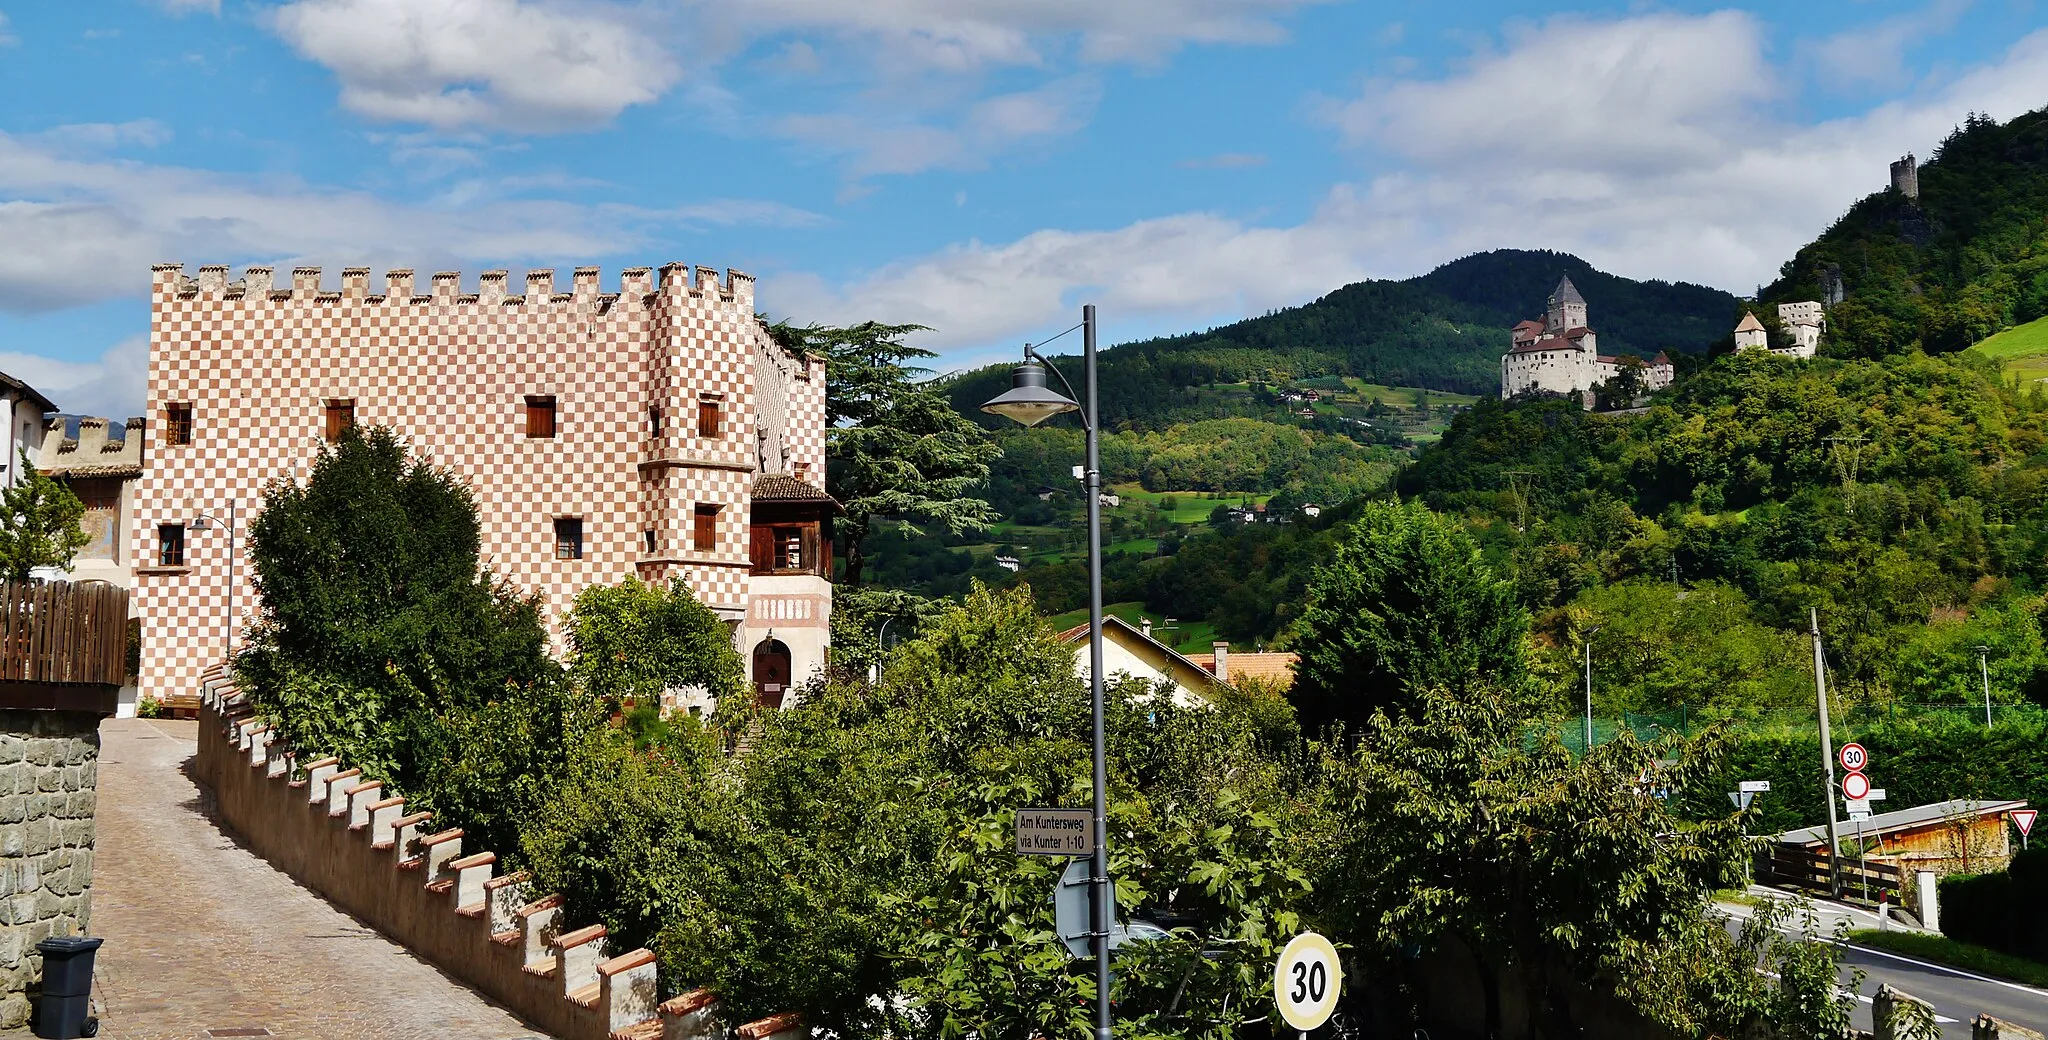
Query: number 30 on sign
(1306, 981)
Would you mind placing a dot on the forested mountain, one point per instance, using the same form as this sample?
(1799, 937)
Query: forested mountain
(1444, 330)
(1967, 258)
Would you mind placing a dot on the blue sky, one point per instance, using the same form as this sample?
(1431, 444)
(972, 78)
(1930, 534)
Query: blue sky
(979, 166)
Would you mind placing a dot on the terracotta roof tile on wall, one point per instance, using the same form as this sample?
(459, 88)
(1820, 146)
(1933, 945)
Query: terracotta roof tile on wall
(774, 487)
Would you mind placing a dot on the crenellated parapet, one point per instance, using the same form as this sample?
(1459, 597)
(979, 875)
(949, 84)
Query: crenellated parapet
(349, 837)
(95, 451)
(636, 287)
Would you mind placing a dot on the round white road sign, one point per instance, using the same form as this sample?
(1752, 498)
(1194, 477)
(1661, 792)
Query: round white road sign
(1855, 787)
(1306, 981)
(1853, 757)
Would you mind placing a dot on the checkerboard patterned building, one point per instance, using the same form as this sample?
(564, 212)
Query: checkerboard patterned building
(642, 425)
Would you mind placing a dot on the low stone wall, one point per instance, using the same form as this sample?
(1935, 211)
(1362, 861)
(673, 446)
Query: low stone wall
(337, 832)
(49, 769)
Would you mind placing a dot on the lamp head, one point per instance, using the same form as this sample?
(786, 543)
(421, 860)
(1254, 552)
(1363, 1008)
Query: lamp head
(1029, 400)
(201, 522)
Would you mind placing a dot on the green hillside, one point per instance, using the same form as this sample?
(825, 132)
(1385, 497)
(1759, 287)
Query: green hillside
(2021, 350)
(1965, 260)
(1444, 330)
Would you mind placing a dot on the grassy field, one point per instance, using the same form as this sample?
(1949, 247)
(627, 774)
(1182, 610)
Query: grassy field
(1188, 637)
(1189, 507)
(1943, 950)
(2023, 349)
(1405, 396)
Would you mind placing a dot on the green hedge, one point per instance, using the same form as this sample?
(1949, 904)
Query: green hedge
(2001, 911)
(1917, 761)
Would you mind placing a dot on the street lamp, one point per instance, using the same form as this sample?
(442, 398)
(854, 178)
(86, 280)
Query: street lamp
(199, 523)
(1590, 633)
(1984, 667)
(1030, 401)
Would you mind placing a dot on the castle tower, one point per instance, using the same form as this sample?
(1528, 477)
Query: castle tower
(1750, 334)
(1567, 309)
(1906, 177)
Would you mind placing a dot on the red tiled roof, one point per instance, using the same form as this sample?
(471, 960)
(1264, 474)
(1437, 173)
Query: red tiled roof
(774, 487)
(1270, 667)
(1577, 332)
(1530, 324)
(1553, 343)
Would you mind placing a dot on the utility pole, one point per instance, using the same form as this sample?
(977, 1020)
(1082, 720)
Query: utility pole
(1827, 759)
(1848, 467)
(1984, 666)
(1589, 687)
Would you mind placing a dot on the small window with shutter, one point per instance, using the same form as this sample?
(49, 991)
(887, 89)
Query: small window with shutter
(340, 416)
(170, 545)
(707, 417)
(540, 417)
(569, 538)
(178, 422)
(705, 535)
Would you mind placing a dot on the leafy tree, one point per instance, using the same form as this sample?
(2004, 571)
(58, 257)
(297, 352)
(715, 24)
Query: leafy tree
(894, 448)
(631, 641)
(1555, 876)
(38, 523)
(1406, 604)
(376, 617)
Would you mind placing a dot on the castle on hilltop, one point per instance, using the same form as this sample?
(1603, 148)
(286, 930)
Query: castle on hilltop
(1560, 354)
(1804, 322)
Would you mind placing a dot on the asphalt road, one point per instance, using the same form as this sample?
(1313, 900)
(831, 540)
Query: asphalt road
(1958, 996)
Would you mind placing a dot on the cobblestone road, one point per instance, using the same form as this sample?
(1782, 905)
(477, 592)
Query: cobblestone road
(202, 935)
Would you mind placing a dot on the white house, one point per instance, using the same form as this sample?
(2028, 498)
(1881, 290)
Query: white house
(21, 418)
(1561, 353)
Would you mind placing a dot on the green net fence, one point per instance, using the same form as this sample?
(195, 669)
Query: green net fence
(1844, 723)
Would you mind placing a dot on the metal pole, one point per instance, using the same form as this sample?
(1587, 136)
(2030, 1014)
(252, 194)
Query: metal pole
(1099, 883)
(1984, 667)
(231, 578)
(1827, 760)
(1589, 691)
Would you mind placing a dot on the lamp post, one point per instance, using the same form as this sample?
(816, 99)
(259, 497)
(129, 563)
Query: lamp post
(1984, 667)
(1030, 401)
(1590, 633)
(199, 522)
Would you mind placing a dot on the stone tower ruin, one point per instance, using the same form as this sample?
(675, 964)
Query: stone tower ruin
(1906, 177)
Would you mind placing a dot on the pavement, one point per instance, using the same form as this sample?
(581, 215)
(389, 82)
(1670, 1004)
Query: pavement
(204, 939)
(1957, 995)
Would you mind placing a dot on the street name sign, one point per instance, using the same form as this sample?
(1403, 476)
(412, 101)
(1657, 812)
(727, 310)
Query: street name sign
(1306, 981)
(1876, 795)
(1853, 757)
(1855, 787)
(1754, 786)
(1055, 832)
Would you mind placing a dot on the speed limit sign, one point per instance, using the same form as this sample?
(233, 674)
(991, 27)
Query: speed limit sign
(1854, 758)
(1306, 981)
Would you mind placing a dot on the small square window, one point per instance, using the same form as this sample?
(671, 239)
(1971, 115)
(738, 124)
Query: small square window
(706, 532)
(170, 545)
(569, 538)
(540, 417)
(340, 416)
(178, 422)
(802, 471)
(707, 417)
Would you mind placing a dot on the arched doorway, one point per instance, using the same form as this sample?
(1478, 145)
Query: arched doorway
(771, 672)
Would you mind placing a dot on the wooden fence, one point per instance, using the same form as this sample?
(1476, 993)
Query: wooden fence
(60, 632)
(1808, 869)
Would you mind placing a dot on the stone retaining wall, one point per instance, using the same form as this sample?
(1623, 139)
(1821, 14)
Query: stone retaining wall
(340, 834)
(49, 765)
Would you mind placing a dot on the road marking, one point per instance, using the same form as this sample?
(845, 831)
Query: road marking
(2029, 990)
(1846, 992)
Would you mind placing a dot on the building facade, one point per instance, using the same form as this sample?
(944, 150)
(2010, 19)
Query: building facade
(100, 463)
(1804, 324)
(654, 432)
(21, 424)
(1561, 354)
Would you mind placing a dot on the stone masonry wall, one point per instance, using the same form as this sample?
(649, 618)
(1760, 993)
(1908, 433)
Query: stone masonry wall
(49, 763)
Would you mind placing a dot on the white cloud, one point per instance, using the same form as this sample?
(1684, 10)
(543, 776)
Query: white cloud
(526, 65)
(7, 39)
(955, 36)
(1873, 56)
(179, 8)
(983, 130)
(88, 229)
(1656, 151)
(111, 386)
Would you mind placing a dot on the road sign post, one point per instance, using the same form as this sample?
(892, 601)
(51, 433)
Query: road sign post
(2024, 820)
(1306, 981)
(1855, 786)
